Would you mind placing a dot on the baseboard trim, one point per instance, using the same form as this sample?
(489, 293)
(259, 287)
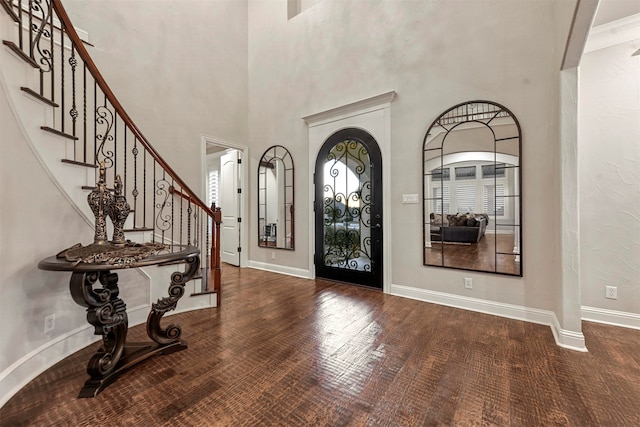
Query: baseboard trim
(32, 364)
(283, 269)
(611, 317)
(564, 338)
(571, 340)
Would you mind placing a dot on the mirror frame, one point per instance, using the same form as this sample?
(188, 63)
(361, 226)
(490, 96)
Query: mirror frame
(268, 160)
(483, 113)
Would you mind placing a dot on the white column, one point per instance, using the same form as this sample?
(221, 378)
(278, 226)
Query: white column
(570, 332)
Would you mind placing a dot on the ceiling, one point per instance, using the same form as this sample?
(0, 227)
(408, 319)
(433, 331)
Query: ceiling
(612, 10)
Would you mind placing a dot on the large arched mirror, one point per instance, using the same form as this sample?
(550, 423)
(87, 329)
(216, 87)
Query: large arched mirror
(275, 199)
(472, 200)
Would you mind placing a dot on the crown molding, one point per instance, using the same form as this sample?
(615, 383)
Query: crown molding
(354, 108)
(613, 33)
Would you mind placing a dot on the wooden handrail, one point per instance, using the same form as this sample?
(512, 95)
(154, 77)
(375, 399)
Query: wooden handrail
(174, 190)
(93, 69)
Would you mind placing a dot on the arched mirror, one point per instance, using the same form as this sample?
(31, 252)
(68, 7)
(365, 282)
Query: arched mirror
(275, 199)
(472, 200)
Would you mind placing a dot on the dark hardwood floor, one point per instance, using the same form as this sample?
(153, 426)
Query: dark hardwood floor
(476, 256)
(284, 351)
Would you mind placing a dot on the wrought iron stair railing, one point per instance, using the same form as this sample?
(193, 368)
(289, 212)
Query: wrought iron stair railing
(86, 113)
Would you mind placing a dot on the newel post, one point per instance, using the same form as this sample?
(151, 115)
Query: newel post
(215, 250)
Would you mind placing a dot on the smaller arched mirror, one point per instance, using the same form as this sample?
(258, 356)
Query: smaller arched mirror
(275, 199)
(471, 189)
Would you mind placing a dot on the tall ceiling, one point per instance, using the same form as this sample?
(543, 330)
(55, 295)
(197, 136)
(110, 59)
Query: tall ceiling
(612, 10)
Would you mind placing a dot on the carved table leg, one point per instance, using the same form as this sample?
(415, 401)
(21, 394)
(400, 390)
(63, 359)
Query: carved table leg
(171, 334)
(107, 313)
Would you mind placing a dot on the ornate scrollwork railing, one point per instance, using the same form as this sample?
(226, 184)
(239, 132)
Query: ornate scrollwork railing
(87, 112)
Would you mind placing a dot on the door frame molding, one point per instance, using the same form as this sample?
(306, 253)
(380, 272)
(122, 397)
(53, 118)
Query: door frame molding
(373, 115)
(243, 182)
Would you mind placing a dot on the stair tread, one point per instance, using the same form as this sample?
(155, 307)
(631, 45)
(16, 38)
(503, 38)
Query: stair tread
(195, 294)
(92, 187)
(38, 96)
(75, 162)
(10, 12)
(58, 132)
(11, 45)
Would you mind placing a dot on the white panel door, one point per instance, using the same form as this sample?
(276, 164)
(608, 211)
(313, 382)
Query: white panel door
(229, 205)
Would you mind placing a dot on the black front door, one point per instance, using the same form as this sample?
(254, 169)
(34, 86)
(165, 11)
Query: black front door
(348, 209)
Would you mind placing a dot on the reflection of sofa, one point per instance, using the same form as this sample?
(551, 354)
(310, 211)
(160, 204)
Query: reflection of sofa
(459, 228)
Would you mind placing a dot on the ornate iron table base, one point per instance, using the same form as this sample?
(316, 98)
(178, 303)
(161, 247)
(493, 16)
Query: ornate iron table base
(94, 286)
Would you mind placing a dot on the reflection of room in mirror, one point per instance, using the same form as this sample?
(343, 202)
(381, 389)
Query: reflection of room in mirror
(471, 189)
(481, 256)
(275, 199)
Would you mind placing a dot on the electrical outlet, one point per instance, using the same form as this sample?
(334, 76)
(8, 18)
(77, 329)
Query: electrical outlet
(49, 323)
(273, 255)
(611, 292)
(468, 283)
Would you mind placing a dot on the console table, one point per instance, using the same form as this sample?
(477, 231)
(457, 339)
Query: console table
(93, 285)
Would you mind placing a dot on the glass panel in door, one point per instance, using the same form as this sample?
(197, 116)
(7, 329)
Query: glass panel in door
(348, 209)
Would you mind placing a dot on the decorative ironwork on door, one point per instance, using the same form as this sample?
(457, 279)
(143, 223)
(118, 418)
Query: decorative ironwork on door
(346, 207)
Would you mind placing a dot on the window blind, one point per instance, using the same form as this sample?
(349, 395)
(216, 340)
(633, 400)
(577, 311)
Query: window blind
(441, 202)
(212, 184)
(465, 172)
(466, 198)
(494, 199)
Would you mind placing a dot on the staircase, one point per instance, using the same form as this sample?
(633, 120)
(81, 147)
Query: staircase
(75, 123)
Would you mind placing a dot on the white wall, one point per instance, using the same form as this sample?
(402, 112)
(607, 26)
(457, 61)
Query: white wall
(434, 55)
(179, 68)
(36, 221)
(609, 177)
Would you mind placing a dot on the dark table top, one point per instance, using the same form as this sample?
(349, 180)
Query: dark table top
(132, 254)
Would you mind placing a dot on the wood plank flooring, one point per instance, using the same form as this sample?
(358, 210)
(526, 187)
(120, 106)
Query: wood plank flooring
(285, 351)
(479, 256)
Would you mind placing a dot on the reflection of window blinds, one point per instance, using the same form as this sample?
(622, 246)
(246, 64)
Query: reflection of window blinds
(491, 171)
(465, 172)
(213, 188)
(440, 174)
(490, 201)
(441, 202)
(466, 198)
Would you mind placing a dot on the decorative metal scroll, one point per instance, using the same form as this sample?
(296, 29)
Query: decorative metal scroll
(40, 16)
(105, 119)
(347, 207)
(163, 205)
